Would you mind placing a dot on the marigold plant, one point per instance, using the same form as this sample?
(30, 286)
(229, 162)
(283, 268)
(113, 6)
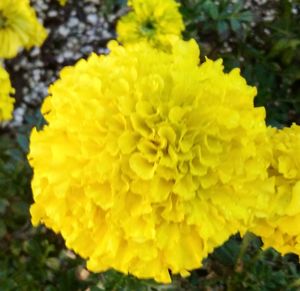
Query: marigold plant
(143, 169)
(19, 27)
(153, 21)
(281, 228)
(6, 102)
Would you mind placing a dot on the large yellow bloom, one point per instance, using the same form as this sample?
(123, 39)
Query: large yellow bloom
(149, 161)
(6, 102)
(19, 27)
(281, 228)
(154, 21)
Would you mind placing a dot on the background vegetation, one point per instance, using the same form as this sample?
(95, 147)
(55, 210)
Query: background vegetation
(260, 37)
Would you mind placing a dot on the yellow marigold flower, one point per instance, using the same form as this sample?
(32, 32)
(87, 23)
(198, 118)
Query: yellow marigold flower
(6, 102)
(143, 169)
(154, 21)
(19, 27)
(281, 228)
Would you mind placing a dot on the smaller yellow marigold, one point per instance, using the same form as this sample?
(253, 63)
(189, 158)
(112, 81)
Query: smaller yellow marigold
(153, 21)
(19, 27)
(281, 229)
(6, 102)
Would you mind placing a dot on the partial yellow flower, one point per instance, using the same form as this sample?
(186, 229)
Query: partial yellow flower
(144, 170)
(6, 102)
(62, 2)
(153, 21)
(281, 228)
(19, 27)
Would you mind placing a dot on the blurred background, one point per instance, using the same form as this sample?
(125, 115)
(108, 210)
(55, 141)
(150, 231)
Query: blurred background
(262, 37)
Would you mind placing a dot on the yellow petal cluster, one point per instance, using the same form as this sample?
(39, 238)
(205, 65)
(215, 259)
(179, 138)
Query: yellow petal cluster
(153, 21)
(6, 102)
(281, 228)
(19, 27)
(149, 160)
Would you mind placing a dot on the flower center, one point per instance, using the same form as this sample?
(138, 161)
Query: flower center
(148, 28)
(3, 20)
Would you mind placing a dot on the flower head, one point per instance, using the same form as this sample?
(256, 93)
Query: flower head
(147, 170)
(153, 21)
(19, 27)
(281, 227)
(6, 102)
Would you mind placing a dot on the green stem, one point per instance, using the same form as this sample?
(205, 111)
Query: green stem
(247, 239)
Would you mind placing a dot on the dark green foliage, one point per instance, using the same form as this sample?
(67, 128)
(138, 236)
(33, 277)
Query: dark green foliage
(244, 266)
(263, 40)
(246, 36)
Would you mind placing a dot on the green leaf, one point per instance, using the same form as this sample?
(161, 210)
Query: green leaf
(288, 56)
(3, 229)
(21, 208)
(3, 205)
(278, 47)
(235, 24)
(53, 263)
(213, 11)
(23, 141)
(239, 5)
(228, 253)
(246, 16)
(223, 28)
